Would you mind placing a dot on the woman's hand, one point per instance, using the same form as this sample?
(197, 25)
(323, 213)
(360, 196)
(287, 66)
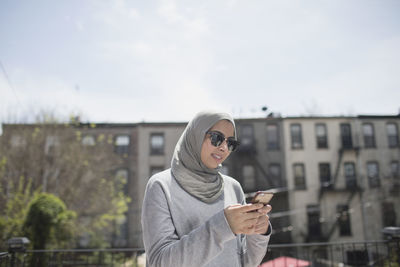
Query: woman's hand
(263, 221)
(248, 219)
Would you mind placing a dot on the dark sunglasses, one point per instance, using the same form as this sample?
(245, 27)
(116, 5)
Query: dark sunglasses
(218, 138)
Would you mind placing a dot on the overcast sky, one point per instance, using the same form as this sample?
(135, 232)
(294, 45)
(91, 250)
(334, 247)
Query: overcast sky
(130, 61)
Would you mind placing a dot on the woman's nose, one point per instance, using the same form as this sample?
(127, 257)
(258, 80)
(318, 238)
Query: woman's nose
(223, 146)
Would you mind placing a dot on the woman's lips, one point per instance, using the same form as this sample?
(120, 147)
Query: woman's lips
(217, 157)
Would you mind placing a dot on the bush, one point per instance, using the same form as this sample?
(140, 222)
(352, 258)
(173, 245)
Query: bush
(48, 221)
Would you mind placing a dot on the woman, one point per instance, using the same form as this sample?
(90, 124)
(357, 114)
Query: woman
(193, 215)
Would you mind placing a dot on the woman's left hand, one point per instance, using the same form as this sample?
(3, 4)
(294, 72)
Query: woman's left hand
(262, 224)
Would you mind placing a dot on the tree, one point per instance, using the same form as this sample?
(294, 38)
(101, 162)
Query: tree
(14, 205)
(49, 156)
(47, 219)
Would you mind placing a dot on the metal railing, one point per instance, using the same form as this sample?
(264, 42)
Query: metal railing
(127, 257)
(365, 253)
(4, 259)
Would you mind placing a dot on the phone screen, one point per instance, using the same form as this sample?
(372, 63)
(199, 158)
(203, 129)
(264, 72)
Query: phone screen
(262, 197)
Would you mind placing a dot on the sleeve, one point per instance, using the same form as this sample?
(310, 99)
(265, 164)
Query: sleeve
(256, 245)
(163, 246)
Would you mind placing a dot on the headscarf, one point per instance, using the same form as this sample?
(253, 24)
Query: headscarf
(189, 171)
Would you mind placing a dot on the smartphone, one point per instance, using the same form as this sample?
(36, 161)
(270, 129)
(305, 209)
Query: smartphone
(263, 197)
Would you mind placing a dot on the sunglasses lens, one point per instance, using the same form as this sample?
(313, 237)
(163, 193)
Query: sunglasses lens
(232, 144)
(216, 139)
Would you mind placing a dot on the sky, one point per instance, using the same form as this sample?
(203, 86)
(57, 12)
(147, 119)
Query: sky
(165, 60)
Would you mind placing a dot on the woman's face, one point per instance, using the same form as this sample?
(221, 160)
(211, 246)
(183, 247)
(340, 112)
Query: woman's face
(212, 156)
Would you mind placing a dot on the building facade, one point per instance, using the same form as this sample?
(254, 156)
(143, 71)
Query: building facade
(334, 178)
(336, 190)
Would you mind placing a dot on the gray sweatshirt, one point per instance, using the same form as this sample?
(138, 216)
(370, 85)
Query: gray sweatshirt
(180, 230)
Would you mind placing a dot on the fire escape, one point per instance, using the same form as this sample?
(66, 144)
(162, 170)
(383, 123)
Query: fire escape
(247, 154)
(351, 186)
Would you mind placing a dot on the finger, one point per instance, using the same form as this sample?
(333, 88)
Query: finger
(251, 207)
(264, 210)
(234, 206)
(251, 216)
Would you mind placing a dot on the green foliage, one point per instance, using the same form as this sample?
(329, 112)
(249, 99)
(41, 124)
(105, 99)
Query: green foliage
(15, 207)
(81, 176)
(48, 220)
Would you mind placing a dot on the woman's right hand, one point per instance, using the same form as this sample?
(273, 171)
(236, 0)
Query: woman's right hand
(243, 218)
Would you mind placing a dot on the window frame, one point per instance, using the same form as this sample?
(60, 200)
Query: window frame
(393, 140)
(325, 179)
(121, 149)
(154, 150)
(246, 139)
(125, 188)
(368, 137)
(321, 141)
(273, 145)
(388, 214)
(313, 221)
(373, 182)
(344, 220)
(276, 178)
(296, 179)
(91, 137)
(253, 185)
(346, 137)
(395, 174)
(351, 180)
(296, 139)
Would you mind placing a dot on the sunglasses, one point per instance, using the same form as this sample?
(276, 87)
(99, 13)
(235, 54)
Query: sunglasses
(218, 138)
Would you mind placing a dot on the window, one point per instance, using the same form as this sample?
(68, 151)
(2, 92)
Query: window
(373, 174)
(121, 231)
(321, 134)
(156, 169)
(121, 180)
(369, 136)
(393, 134)
(122, 144)
(314, 226)
(249, 179)
(325, 175)
(17, 141)
(299, 176)
(388, 214)
(246, 136)
(272, 137)
(88, 140)
(50, 144)
(395, 169)
(157, 144)
(344, 220)
(121, 224)
(350, 175)
(274, 171)
(295, 133)
(345, 132)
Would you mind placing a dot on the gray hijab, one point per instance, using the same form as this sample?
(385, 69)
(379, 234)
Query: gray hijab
(189, 171)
